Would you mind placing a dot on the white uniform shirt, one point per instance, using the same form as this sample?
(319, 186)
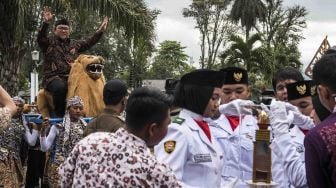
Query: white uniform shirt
(195, 160)
(237, 147)
(288, 166)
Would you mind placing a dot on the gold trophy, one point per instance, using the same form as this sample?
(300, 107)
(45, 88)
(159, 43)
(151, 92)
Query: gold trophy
(262, 157)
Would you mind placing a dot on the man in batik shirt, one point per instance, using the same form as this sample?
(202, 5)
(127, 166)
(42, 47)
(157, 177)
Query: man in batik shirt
(62, 138)
(123, 159)
(320, 143)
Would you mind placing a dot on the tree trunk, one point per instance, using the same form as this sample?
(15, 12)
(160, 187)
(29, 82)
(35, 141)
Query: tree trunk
(10, 65)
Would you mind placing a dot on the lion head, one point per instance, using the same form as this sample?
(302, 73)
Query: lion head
(92, 65)
(86, 80)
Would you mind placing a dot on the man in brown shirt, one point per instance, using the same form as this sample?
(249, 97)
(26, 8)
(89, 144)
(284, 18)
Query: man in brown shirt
(59, 54)
(110, 120)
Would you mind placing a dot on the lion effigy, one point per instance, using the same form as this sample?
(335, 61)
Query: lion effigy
(86, 80)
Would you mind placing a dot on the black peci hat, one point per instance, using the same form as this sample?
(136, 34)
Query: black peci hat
(299, 90)
(62, 21)
(203, 77)
(235, 75)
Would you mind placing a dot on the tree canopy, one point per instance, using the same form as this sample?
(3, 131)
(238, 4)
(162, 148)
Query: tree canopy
(170, 61)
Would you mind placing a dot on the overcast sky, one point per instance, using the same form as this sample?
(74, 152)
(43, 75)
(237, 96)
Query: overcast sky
(171, 25)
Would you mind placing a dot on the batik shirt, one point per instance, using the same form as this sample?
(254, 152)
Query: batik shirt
(320, 154)
(117, 159)
(5, 117)
(61, 147)
(10, 139)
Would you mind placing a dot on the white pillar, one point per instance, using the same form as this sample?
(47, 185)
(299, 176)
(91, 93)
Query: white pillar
(33, 85)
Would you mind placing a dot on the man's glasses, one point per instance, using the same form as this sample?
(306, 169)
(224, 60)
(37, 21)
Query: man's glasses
(63, 28)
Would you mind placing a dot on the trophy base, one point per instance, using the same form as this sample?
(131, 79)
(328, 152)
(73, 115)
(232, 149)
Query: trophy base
(260, 184)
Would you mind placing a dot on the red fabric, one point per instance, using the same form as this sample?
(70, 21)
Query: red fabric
(234, 121)
(205, 127)
(305, 132)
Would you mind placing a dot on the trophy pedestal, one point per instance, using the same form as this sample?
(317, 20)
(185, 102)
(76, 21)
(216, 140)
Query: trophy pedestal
(252, 184)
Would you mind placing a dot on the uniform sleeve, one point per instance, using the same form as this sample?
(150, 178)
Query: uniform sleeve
(303, 121)
(42, 37)
(177, 158)
(67, 169)
(31, 137)
(46, 142)
(314, 150)
(293, 165)
(277, 165)
(88, 43)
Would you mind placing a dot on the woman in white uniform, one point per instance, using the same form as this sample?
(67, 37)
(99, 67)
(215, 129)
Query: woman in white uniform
(189, 147)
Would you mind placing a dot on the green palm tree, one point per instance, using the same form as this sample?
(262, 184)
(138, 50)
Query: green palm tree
(18, 16)
(248, 12)
(242, 53)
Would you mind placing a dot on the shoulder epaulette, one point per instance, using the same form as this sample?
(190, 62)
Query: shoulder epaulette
(178, 120)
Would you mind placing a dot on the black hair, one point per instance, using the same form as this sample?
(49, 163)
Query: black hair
(193, 97)
(145, 106)
(114, 91)
(287, 73)
(324, 71)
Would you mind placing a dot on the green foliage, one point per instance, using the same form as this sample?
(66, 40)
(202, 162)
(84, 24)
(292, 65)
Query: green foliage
(248, 12)
(242, 53)
(170, 61)
(214, 26)
(279, 31)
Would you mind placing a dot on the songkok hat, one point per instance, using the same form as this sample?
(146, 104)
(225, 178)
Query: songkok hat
(203, 77)
(320, 110)
(75, 101)
(299, 89)
(62, 21)
(18, 99)
(235, 75)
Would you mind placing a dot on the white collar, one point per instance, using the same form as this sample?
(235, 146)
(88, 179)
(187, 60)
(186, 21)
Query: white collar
(193, 115)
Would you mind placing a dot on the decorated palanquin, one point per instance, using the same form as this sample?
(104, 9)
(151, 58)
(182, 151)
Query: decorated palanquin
(86, 80)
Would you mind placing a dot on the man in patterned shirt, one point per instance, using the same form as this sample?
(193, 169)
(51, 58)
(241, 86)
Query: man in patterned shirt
(123, 159)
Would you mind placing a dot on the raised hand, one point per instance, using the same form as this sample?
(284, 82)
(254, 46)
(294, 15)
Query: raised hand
(103, 24)
(47, 14)
(45, 124)
(237, 107)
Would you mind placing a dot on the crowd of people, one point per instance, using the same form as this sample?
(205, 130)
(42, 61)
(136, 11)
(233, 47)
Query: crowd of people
(199, 133)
